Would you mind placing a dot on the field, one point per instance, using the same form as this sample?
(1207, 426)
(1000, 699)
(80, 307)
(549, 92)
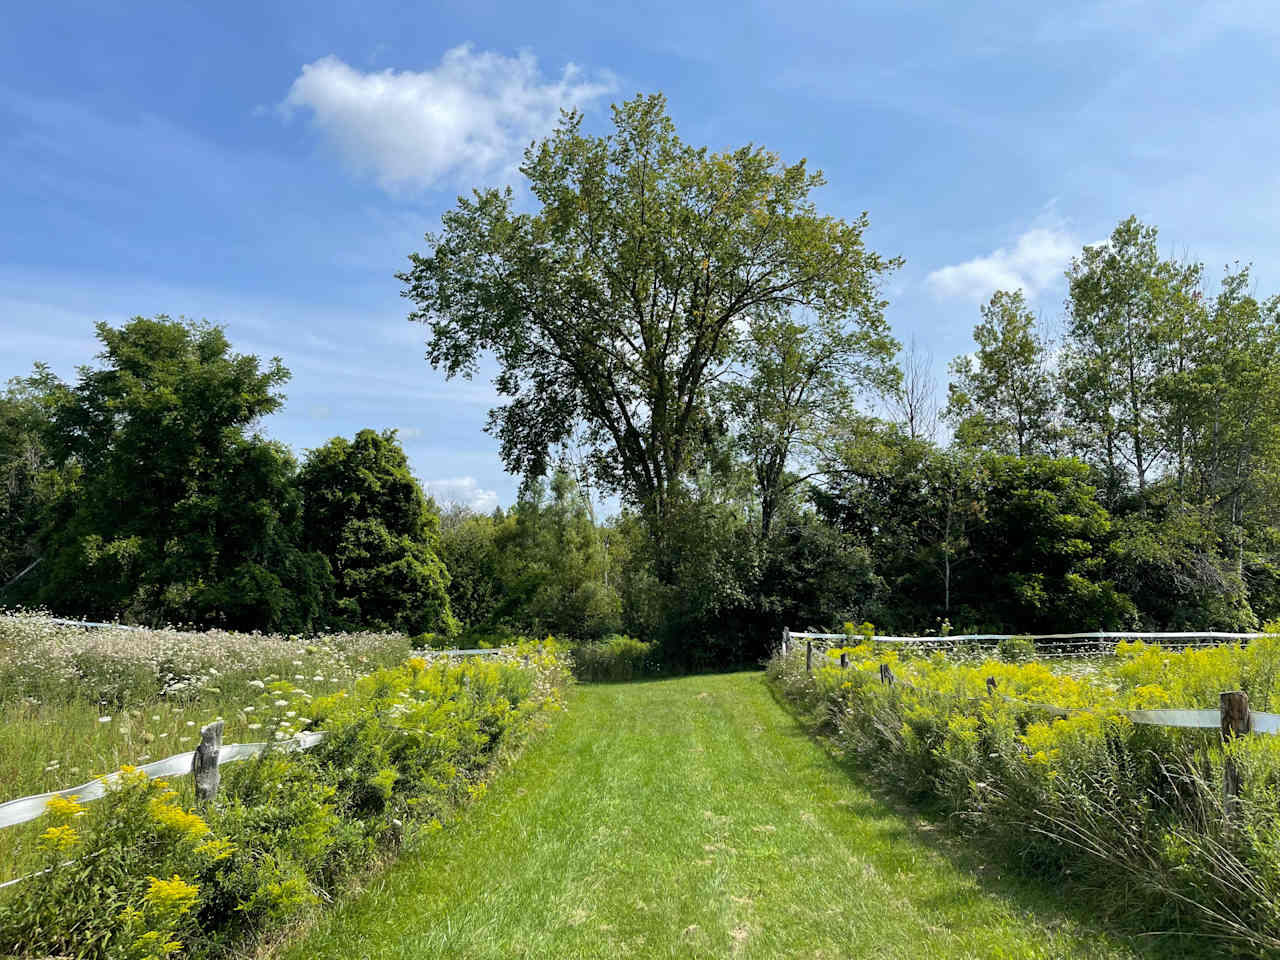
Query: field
(77, 703)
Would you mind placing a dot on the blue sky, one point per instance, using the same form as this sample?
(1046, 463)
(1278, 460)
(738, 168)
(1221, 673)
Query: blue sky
(269, 167)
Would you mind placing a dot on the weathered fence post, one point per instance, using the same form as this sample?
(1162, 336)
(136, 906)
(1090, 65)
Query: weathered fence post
(1236, 721)
(844, 660)
(204, 762)
(808, 655)
(786, 641)
(886, 675)
(991, 686)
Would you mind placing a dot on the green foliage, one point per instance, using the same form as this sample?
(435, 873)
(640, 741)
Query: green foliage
(1091, 794)
(1016, 649)
(615, 658)
(1003, 397)
(616, 304)
(403, 746)
(366, 513)
(210, 536)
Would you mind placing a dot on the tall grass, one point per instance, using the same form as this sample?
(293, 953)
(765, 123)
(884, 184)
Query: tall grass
(1135, 812)
(76, 703)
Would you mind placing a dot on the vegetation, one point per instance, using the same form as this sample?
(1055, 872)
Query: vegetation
(1076, 789)
(150, 875)
(693, 818)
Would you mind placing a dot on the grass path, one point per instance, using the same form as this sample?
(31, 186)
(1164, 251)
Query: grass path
(690, 818)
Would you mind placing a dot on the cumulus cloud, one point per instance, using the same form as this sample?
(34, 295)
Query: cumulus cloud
(471, 116)
(463, 490)
(1036, 260)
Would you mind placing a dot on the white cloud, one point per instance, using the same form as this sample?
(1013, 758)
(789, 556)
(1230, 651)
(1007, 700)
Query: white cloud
(470, 116)
(1037, 259)
(463, 490)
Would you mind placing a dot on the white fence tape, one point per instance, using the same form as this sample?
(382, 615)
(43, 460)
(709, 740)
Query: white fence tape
(974, 637)
(29, 808)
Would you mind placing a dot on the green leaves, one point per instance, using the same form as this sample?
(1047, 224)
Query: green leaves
(620, 301)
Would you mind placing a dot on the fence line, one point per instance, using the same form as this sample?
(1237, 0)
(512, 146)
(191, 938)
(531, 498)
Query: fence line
(29, 808)
(975, 637)
(1259, 722)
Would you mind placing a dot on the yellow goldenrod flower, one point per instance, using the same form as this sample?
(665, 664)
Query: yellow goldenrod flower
(65, 806)
(173, 897)
(174, 818)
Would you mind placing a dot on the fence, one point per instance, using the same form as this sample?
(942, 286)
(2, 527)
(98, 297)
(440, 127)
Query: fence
(202, 762)
(1233, 718)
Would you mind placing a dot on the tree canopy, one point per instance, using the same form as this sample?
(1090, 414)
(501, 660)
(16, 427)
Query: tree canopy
(626, 295)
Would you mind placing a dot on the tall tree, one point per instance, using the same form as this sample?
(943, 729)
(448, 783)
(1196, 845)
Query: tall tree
(798, 380)
(365, 512)
(1127, 313)
(620, 301)
(1003, 396)
(177, 512)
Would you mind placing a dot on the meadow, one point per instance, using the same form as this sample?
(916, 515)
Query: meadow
(407, 740)
(1050, 769)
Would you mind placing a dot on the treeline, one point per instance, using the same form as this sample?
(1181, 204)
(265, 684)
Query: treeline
(141, 492)
(684, 334)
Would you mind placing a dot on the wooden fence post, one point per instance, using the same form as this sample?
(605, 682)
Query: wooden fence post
(844, 661)
(991, 686)
(786, 641)
(808, 655)
(204, 762)
(886, 675)
(1233, 708)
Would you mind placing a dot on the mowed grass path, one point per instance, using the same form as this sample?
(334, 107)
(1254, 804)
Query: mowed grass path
(690, 818)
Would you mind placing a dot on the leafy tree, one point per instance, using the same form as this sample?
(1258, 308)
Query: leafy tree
(619, 302)
(468, 547)
(797, 381)
(1128, 312)
(1003, 397)
(1042, 549)
(173, 511)
(366, 513)
(27, 485)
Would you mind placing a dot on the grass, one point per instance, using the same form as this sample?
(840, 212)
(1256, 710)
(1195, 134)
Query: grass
(76, 703)
(693, 818)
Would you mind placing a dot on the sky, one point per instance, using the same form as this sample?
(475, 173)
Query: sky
(269, 167)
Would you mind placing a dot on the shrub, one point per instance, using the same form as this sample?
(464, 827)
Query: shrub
(616, 658)
(151, 876)
(1016, 649)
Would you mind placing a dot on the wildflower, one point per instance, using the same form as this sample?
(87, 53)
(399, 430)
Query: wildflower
(282, 703)
(178, 820)
(104, 719)
(65, 805)
(171, 898)
(255, 726)
(155, 716)
(216, 849)
(191, 723)
(257, 684)
(248, 709)
(292, 713)
(60, 838)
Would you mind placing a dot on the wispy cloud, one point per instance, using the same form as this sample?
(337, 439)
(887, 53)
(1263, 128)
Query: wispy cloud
(471, 116)
(463, 490)
(1035, 261)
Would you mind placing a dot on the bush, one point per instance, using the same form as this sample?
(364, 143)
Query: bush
(403, 746)
(1119, 805)
(1016, 649)
(616, 658)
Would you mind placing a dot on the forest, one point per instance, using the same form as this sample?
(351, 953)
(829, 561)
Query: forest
(687, 344)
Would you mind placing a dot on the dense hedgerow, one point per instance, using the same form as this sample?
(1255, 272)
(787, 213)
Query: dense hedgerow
(1135, 810)
(153, 876)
